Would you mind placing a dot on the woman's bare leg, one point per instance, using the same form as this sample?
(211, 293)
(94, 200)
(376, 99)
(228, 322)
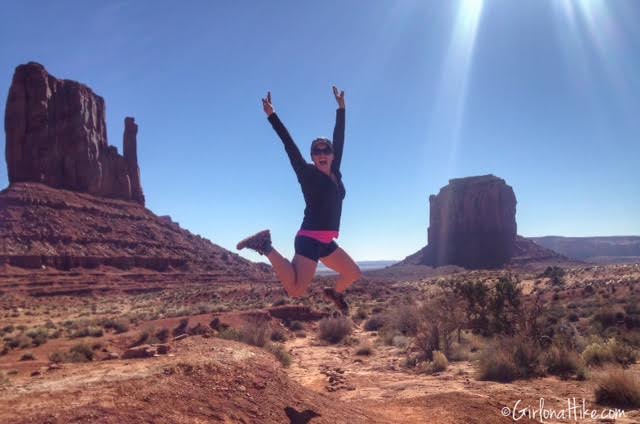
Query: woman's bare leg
(348, 271)
(296, 275)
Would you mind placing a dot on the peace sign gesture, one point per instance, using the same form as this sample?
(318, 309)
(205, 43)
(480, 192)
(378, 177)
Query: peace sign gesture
(339, 95)
(267, 105)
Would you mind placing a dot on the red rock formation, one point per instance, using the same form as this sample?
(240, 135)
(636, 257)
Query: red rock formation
(44, 226)
(56, 135)
(130, 150)
(472, 223)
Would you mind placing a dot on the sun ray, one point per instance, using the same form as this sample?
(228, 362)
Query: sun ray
(452, 93)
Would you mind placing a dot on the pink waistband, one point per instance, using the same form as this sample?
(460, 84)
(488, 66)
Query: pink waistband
(323, 236)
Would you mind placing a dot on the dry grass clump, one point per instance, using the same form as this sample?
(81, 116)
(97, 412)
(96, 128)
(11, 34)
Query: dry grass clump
(375, 323)
(80, 352)
(117, 325)
(612, 351)
(618, 387)
(28, 356)
(508, 359)
(281, 355)
(257, 333)
(334, 330)
(181, 328)
(440, 362)
(562, 361)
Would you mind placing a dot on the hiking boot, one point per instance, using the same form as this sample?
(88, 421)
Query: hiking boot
(260, 242)
(337, 299)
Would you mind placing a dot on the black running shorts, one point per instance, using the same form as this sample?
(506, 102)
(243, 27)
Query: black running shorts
(312, 248)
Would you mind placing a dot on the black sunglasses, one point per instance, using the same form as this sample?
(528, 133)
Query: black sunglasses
(325, 151)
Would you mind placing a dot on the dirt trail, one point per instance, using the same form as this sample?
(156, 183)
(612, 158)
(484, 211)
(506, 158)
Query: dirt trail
(380, 384)
(205, 380)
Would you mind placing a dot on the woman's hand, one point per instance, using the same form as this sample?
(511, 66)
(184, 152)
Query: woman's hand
(339, 97)
(266, 104)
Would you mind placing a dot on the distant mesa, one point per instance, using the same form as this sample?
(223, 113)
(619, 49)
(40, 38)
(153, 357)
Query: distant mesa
(604, 250)
(73, 201)
(472, 224)
(56, 135)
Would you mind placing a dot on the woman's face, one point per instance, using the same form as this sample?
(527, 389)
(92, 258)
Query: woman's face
(322, 157)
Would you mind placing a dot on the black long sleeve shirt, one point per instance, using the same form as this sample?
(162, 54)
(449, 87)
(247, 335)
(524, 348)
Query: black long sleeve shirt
(323, 197)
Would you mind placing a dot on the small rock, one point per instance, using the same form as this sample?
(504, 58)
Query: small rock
(35, 373)
(180, 337)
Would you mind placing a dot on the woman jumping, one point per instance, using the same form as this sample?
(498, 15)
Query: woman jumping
(323, 191)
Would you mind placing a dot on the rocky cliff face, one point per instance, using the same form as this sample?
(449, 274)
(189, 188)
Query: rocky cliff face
(56, 135)
(472, 223)
(42, 226)
(74, 202)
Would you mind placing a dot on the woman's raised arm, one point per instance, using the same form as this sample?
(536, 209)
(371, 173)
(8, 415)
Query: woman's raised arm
(295, 157)
(338, 130)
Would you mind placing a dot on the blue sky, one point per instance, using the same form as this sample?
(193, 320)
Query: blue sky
(540, 93)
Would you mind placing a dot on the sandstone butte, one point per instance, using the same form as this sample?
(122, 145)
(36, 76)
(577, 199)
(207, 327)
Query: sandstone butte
(472, 224)
(73, 201)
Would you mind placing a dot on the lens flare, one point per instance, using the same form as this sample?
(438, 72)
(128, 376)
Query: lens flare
(592, 34)
(452, 92)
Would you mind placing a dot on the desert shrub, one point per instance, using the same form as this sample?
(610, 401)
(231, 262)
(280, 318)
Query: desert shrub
(278, 335)
(618, 387)
(163, 335)
(555, 274)
(217, 325)
(57, 356)
(28, 356)
(281, 355)
(147, 336)
(504, 306)
(256, 333)
(440, 319)
(608, 317)
(38, 336)
(360, 314)
(181, 328)
(81, 352)
(4, 350)
(508, 359)
(198, 330)
(611, 351)
(561, 361)
(375, 323)
(458, 352)
(404, 319)
(439, 362)
(20, 341)
(87, 331)
(497, 366)
(294, 325)
(334, 330)
(117, 325)
(364, 349)
(474, 296)
(230, 333)
(401, 342)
